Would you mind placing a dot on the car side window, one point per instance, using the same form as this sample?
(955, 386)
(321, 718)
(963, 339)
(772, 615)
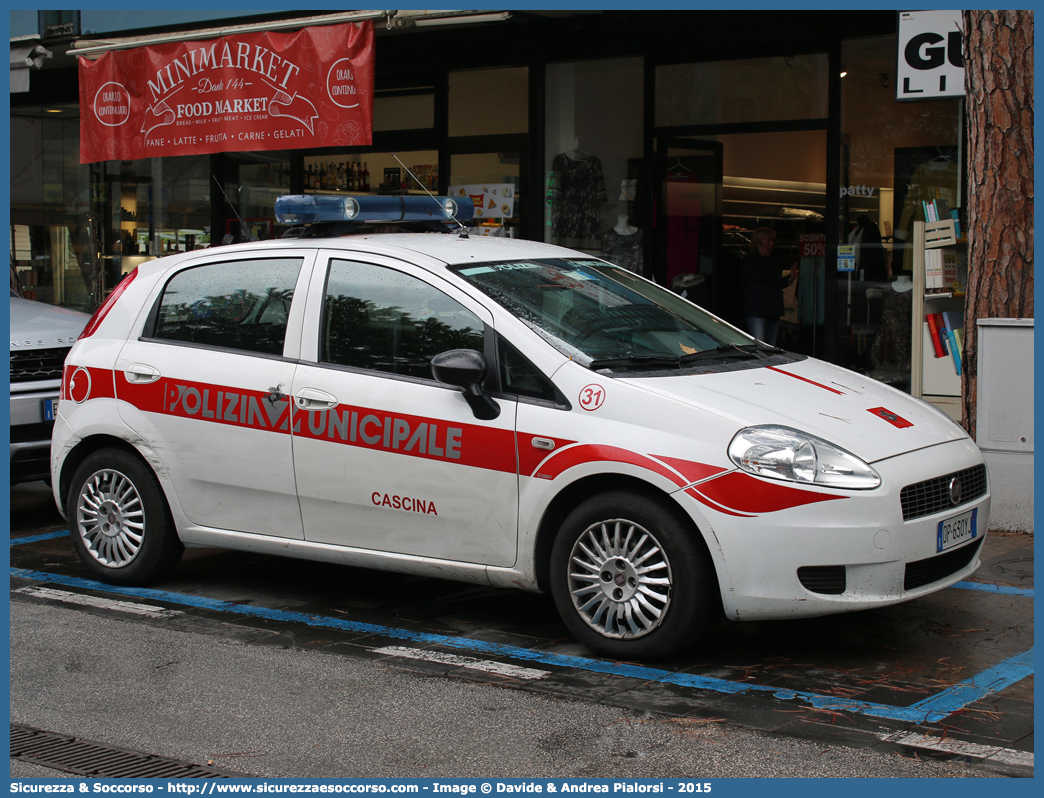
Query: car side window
(382, 319)
(520, 377)
(234, 305)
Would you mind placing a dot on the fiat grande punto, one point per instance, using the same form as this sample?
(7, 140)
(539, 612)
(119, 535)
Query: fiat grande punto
(502, 412)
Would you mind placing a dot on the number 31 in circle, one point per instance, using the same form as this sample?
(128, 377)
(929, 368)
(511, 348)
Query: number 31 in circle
(591, 397)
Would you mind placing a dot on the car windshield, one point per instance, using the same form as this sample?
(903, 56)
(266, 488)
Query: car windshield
(603, 316)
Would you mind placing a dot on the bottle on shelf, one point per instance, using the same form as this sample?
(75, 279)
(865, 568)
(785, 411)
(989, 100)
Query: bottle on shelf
(365, 178)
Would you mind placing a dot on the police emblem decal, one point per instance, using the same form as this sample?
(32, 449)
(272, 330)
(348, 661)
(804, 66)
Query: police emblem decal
(892, 418)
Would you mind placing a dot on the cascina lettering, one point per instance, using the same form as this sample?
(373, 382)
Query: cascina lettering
(403, 503)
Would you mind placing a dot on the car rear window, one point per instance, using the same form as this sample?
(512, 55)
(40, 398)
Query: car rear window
(240, 305)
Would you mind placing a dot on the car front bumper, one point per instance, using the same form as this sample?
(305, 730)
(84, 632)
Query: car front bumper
(31, 431)
(856, 552)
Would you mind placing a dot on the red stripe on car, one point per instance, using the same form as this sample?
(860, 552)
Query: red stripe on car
(747, 494)
(805, 379)
(593, 453)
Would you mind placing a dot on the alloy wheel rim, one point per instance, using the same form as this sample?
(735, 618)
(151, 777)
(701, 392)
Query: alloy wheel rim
(110, 518)
(620, 579)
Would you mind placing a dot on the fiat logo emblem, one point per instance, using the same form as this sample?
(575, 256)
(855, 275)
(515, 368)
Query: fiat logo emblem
(955, 491)
(620, 579)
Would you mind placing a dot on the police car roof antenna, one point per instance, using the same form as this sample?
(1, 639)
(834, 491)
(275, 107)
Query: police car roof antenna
(242, 224)
(463, 229)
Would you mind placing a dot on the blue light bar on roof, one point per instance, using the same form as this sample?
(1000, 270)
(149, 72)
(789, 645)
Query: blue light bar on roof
(309, 208)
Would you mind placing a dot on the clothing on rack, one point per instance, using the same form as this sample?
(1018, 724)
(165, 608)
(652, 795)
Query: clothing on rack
(811, 293)
(576, 189)
(684, 219)
(891, 347)
(623, 250)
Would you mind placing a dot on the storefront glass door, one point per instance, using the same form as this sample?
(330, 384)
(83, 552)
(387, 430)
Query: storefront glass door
(688, 218)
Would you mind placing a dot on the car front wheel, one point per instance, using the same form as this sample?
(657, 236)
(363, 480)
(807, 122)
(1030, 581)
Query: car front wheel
(630, 579)
(121, 525)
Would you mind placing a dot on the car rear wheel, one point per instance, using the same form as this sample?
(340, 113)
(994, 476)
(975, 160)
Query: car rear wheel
(121, 525)
(630, 579)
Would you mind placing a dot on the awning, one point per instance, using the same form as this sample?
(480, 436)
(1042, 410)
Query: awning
(22, 58)
(392, 20)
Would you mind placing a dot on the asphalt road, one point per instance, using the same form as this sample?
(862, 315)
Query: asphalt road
(277, 712)
(274, 667)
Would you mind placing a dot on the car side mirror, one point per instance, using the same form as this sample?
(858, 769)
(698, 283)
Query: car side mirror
(466, 368)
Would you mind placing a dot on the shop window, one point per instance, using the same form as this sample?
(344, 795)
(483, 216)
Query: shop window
(50, 205)
(745, 90)
(242, 305)
(488, 102)
(383, 320)
(400, 111)
(262, 178)
(594, 168)
(374, 172)
(490, 180)
(894, 155)
(149, 208)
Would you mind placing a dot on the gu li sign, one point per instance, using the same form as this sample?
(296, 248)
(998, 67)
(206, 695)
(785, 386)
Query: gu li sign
(930, 62)
(246, 92)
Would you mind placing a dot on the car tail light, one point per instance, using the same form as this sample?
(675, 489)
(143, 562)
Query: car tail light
(95, 321)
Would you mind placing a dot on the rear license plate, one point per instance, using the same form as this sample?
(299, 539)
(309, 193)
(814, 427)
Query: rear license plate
(50, 409)
(957, 530)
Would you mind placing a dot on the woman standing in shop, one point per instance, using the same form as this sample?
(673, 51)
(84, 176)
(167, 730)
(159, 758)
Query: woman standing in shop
(763, 284)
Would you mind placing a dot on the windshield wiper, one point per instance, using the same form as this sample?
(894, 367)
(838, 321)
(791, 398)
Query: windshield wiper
(758, 350)
(723, 351)
(634, 360)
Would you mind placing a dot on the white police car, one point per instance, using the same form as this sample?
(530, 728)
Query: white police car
(503, 412)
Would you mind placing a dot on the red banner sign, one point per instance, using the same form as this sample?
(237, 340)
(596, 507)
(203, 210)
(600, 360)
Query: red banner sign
(247, 92)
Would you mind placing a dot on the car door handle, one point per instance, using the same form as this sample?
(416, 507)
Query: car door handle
(140, 374)
(312, 399)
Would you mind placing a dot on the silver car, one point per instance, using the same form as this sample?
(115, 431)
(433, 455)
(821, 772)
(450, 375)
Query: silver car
(41, 336)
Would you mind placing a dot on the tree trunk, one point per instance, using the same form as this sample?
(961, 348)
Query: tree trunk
(998, 63)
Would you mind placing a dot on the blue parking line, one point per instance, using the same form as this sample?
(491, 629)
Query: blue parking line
(932, 709)
(37, 538)
(986, 587)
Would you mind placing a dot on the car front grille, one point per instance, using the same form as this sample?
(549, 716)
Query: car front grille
(924, 572)
(933, 495)
(829, 580)
(32, 365)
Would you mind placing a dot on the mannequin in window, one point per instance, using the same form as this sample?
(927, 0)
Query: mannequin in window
(624, 227)
(622, 245)
(890, 351)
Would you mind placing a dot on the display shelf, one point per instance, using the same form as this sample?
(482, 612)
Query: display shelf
(934, 379)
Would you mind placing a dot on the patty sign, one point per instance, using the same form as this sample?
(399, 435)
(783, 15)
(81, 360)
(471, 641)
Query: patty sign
(247, 92)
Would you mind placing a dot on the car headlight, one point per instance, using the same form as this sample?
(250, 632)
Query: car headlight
(787, 454)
